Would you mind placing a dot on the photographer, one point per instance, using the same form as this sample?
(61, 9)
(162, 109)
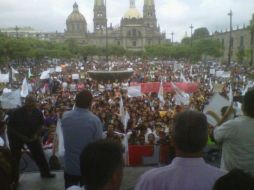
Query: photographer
(236, 138)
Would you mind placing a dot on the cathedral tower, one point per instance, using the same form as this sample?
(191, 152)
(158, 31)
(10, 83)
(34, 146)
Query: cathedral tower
(149, 14)
(100, 20)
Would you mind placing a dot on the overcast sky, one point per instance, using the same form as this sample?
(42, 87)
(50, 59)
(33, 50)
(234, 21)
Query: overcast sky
(173, 15)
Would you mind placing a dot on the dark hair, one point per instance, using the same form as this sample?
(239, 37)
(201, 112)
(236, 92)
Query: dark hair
(190, 131)
(99, 161)
(235, 180)
(84, 99)
(248, 103)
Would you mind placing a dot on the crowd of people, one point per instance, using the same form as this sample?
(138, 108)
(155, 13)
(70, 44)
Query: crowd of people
(141, 120)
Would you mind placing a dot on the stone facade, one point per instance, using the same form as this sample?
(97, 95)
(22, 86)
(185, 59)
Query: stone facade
(241, 41)
(134, 33)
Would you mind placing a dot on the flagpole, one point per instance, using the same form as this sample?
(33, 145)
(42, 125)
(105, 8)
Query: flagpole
(10, 76)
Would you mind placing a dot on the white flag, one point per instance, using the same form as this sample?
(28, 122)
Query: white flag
(191, 72)
(230, 94)
(13, 72)
(45, 75)
(249, 85)
(121, 107)
(182, 77)
(181, 98)
(210, 84)
(29, 73)
(161, 93)
(24, 89)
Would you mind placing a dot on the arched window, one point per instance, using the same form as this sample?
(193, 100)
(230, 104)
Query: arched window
(134, 32)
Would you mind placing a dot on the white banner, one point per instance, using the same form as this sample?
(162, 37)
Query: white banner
(11, 100)
(219, 73)
(75, 76)
(58, 69)
(45, 75)
(4, 78)
(215, 104)
(226, 75)
(212, 71)
(134, 91)
(51, 70)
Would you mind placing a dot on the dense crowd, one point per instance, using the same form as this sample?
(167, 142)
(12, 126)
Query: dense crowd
(143, 119)
(148, 120)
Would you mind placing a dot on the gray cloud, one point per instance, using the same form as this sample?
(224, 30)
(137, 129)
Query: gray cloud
(173, 15)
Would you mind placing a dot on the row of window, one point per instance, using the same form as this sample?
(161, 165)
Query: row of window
(241, 44)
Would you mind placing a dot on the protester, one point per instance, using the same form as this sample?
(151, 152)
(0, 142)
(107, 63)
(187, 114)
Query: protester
(140, 106)
(236, 138)
(24, 128)
(80, 127)
(188, 170)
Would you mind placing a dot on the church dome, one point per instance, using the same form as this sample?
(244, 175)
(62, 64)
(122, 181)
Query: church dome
(75, 16)
(132, 13)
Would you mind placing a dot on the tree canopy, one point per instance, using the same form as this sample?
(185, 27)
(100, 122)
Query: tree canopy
(20, 49)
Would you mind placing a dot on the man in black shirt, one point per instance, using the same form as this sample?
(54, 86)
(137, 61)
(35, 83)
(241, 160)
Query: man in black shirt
(24, 127)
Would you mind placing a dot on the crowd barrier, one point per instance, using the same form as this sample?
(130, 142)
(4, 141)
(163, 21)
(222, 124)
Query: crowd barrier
(140, 155)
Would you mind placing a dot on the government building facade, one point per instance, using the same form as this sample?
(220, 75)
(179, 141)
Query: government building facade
(135, 32)
(242, 43)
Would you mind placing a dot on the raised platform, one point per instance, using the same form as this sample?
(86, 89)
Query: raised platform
(32, 181)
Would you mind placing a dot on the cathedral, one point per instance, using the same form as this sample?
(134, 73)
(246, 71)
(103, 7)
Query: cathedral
(134, 33)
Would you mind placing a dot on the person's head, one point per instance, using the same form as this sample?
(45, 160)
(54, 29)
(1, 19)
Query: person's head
(30, 102)
(151, 139)
(101, 165)
(190, 132)
(235, 180)
(141, 139)
(248, 105)
(84, 99)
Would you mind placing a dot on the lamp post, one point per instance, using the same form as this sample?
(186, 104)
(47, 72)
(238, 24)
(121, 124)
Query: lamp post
(172, 35)
(252, 39)
(230, 14)
(106, 32)
(191, 27)
(17, 31)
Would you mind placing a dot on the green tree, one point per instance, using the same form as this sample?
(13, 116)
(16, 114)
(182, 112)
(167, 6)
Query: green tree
(200, 33)
(240, 55)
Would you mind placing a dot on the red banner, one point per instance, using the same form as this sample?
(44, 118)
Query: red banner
(167, 87)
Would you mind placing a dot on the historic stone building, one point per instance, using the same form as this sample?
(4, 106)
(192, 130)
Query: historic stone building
(135, 31)
(241, 43)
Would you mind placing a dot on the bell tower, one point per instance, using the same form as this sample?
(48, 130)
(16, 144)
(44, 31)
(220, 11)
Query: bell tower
(149, 14)
(100, 20)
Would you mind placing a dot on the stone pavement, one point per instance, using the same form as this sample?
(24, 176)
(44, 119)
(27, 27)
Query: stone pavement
(32, 181)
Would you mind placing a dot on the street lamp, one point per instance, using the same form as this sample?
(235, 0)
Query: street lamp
(191, 27)
(252, 39)
(172, 39)
(106, 32)
(17, 30)
(230, 14)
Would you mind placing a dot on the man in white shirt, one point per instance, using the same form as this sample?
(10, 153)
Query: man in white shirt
(188, 171)
(237, 138)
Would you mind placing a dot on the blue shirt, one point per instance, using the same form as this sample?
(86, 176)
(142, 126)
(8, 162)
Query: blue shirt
(181, 174)
(80, 127)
